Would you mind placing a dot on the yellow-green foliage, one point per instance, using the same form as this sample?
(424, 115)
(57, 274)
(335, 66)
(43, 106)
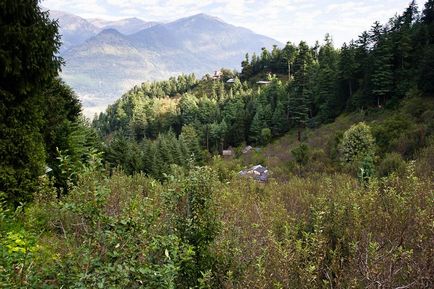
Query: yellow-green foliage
(357, 143)
(208, 228)
(326, 232)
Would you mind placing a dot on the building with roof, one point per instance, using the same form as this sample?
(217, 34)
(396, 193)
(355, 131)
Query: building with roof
(258, 172)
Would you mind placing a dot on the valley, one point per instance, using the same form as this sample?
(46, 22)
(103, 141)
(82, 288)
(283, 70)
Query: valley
(105, 58)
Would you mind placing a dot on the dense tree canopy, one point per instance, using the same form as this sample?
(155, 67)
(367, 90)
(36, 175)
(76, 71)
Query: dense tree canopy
(307, 86)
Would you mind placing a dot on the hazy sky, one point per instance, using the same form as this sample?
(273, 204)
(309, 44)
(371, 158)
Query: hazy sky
(283, 20)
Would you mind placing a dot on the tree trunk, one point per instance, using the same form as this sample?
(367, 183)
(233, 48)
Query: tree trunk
(207, 138)
(289, 70)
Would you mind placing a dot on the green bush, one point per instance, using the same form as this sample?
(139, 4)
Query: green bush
(391, 163)
(266, 136)
(425, 160)
(389, 130)
(357, 143)
(415, 105)
(301, 154)
(366, 170)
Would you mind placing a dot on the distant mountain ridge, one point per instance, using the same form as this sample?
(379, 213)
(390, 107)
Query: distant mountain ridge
(125, 26)
(106, 58)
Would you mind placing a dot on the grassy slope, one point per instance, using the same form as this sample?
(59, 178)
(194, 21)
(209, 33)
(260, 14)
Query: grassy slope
(321, 141)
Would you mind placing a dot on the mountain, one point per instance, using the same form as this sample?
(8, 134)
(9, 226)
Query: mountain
(73, 29)
(125, 26)
(105, 66)
(111, 61)
(213, 42)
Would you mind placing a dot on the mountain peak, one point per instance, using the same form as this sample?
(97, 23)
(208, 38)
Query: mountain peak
(201, 16)
(109, 31)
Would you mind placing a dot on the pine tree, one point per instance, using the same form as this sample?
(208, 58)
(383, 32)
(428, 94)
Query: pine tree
(328, 98)
(28, 63)
(382, 74)
(347, 70)
(246, 68)
(360, 99)
(175, 149)
(279, 122)
(426, 73)
(298, 104)
(261, 120)
(191, 140)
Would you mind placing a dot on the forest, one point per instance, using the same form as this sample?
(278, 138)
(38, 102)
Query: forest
(141, 196)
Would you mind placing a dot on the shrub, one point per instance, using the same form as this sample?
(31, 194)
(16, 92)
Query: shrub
(357, 143)
(392, 162)
(425, 163)
(265, 136)
(366, 169)
(319, 161)
(415, 105)
(301, 154)
(387, 131)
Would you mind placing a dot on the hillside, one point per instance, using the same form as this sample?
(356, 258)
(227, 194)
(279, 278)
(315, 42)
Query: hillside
(397, 131)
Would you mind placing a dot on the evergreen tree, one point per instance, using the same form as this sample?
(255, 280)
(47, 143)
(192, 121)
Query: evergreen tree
(279, 122)
(328, 99)
(28, 64)
(191, 141)
(290, 53)
(347, 71)
(246, 68)
(362, 56)
(188, 109)
(298, 104)
(426, 73)
(382, 75)
(261, 120)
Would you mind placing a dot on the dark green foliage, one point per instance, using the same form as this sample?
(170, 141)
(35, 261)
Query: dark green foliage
(389, 131)
(426, 71)
(154, 157)
(301, 154)
(191, 205)
(279, 120)
(27, 66)
(300, 94)
(77, 148)
(265, 136)
(366, 170)
(382, 74)
(391, 163)
(124, 153)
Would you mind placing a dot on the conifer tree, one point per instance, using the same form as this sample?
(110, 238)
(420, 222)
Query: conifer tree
(28, 63)
(382, 75)
(298, 104)
(191, 141)
(328, 99)
(426, 73)
(279, 122)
